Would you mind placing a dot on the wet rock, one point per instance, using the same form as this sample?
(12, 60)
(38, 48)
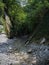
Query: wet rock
(48, 49)
(47, 62)
(10, 48)
(10, 63)
(33, 54)
(43, 41)
(23, 63)
(29, 51)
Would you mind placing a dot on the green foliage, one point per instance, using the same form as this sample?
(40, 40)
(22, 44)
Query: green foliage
(25, 19)
(1, 15)
(1, 8)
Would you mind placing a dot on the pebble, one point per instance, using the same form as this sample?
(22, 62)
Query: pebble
(29, 51)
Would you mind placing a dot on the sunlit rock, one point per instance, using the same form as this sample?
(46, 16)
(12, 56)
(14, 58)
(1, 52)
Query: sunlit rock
(43, 41)
(29, 51)
(10, 47)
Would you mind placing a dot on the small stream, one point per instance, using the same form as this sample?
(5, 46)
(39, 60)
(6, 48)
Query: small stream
(13, 52)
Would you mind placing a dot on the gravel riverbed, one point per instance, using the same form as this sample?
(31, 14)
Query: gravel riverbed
(13, 52)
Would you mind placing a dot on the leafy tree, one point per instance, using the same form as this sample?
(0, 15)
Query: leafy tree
(1, 8)
(25, 19)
